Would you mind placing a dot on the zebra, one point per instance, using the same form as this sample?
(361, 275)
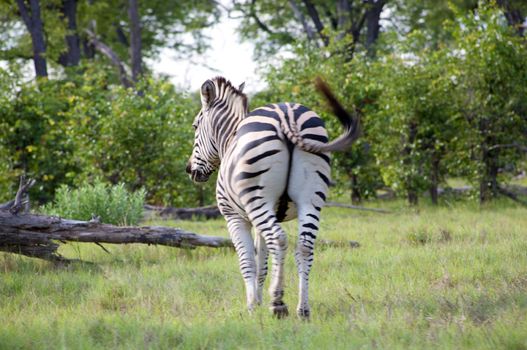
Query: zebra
(274, 166)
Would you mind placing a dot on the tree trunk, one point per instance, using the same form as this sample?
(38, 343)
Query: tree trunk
(33, 21)
(411, 191)
(72, 56)
(88, 49)
(313, 13)
(373, 17)
(135, 39)
(488, 186)
(513, 15)
(434, 178)
(344, 14)
(300, 17)
(356, 197)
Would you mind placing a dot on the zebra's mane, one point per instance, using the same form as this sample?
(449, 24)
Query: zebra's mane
(224, 84)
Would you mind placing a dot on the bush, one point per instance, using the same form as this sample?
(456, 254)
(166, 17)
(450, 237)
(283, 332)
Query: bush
(71, 131)
(113, 204)
(37, 135)
(144, 142)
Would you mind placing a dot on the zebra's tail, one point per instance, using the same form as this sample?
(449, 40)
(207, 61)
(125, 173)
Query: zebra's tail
(341, 143)
(350, 124)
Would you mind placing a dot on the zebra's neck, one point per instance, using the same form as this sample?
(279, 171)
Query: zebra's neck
(229, 112)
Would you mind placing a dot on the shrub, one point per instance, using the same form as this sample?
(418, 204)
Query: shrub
(145, 143)
(113, 204)
(69, 131)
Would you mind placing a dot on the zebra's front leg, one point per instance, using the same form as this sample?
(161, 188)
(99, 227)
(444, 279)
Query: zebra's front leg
(276, 241)
(240, 232)
(262, 255)
(308, 227)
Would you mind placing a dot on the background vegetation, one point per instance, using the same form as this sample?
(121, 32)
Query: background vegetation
(439, 87)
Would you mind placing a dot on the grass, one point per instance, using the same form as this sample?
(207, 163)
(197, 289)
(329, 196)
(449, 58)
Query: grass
(450, 277)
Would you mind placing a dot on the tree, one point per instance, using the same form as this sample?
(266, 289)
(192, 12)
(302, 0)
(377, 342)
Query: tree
(273, 25)
(72, 55)
(492, 90)
(135, 39)
(514, 11)
(58, 30)
(416, 122)
(31, 16)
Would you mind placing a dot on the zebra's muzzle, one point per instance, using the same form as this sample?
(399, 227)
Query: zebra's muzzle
(198, 176)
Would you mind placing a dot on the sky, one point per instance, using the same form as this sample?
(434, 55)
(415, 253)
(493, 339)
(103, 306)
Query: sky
(227, 56)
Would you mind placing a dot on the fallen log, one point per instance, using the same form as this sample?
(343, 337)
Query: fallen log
(511, 195)
(208, 212)
(36, 235)
(356, 207)
(39, 235)
(212, 211)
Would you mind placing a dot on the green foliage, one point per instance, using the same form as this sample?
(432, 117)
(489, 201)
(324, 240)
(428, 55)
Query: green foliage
(39, 135)
(444, 96)
(164, 24)
(427, 111)
(113, 204)
(145, 142)
(492, 71)
(67, 132)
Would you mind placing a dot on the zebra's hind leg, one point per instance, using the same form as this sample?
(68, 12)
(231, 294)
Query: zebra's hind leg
(262, 255)
(308, 221)
(276, 241)
(240, 232)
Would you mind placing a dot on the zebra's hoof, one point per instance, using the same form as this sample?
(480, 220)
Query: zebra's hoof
(303, 314)
(280, 311)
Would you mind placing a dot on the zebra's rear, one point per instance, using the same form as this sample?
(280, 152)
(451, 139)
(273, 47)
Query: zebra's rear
(267, 179)
(264, 159)
(273, 166)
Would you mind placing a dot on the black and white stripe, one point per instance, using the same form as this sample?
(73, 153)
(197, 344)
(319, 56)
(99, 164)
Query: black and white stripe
(274, 166)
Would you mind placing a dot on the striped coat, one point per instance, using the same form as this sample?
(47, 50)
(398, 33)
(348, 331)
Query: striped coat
(274, 166)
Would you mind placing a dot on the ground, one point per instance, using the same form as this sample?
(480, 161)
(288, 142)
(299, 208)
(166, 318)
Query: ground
(450, 277)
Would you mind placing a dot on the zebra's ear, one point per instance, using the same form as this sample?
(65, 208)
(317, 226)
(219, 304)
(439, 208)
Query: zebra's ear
(208, 93)
(240, 88)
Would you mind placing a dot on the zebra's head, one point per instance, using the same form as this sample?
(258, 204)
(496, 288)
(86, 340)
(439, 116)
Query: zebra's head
(205, 158)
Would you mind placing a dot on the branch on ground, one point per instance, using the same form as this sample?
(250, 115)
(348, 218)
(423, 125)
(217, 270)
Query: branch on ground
(511, 195)
(21, 200)
(39, 235)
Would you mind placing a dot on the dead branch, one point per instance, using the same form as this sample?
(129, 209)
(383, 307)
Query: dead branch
(36, 235)
(356, 207)
(21, 198)
(109, 53)
(511, 195)
(212, 211)
(207, 212)
(39, 235)
(517, 146)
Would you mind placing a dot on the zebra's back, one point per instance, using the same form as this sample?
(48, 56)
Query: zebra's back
(258, 169)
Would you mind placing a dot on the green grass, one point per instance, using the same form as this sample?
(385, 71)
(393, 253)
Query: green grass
(451, 277)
